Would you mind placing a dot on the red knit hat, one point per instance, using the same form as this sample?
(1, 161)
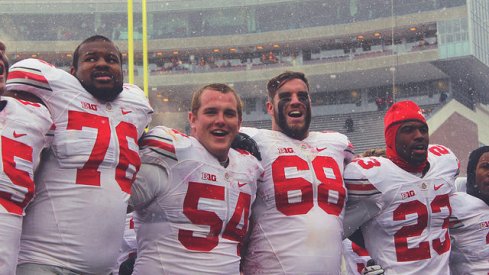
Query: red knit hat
(400, 112)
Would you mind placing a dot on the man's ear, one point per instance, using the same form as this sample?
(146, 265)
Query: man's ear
(270, 107)
(191, 119)
(72, 70)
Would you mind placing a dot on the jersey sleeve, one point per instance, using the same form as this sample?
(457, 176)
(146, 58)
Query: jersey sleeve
(151, 180)
(31, 76)
(363, 198)
(158, 146)
(445, 162)
(137, 99)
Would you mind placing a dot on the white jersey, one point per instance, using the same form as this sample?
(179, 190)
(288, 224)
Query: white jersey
(84, 180)
(298, 213)
(355, 256)
(404, 217)
(469, 231)
(460, 184)
(129, 244)
(196, 222)
(23, 129)
(24, 126)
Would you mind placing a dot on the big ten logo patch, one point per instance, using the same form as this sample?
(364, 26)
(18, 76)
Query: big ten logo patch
(209, 177)
(89, 106)
(408, 194)
(285, 150)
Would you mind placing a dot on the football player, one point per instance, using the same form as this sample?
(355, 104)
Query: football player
(193, 194)
(23, 129)
(469, 227)
(297, 216)
(76, 222)
(402, 202)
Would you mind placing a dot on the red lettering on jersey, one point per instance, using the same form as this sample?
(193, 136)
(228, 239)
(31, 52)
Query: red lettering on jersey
(438, 150)
(13, 150)
(408, 253)
(330, 193)
(233, 230)
(367, 163)
(285, 150)
(408, 194)
(86, 105)
(210, 177)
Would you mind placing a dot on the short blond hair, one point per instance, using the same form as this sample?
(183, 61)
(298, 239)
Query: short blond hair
(219, 87)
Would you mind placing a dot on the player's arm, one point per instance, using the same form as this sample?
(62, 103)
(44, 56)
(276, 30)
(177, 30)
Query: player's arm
(358, 212)
(363, 198)
(150, 181)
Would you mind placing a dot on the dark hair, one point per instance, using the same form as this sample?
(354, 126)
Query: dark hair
(275, 83)
(472, 167)
(3, 57)
(93, 38)
(220, 87)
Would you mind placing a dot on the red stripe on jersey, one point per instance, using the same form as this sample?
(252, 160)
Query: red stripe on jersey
(358, 249)
(158, 144)
(360, 187)
(16, 74)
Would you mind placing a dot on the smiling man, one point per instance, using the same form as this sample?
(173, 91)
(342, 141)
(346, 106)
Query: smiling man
(402, 202)
(297, 218)
(76, 222)
(193, 194)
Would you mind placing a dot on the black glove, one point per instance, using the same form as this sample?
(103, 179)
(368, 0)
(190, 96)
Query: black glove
(127, 266)
(244, 142)
(372, 268)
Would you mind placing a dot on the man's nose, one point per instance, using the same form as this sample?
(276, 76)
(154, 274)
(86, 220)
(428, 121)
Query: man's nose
(419, 134)
(220, 118)
(101, 62)
(294, 99)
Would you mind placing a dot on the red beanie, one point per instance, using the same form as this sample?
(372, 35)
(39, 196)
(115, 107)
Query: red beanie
(400, 112)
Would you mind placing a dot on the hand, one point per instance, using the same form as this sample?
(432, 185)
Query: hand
(372, 268)
(244, 142)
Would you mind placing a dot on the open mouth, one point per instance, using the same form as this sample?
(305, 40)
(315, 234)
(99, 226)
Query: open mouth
(102, 76)
(219, 133)
(419, 149)
(295, 114)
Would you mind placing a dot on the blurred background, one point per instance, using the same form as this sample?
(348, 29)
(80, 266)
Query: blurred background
(360, 56)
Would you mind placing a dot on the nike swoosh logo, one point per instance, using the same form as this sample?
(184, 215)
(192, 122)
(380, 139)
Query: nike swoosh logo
(438, 187)
(242, 184)
(125, 112)
(321, 149)
(18, 135)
